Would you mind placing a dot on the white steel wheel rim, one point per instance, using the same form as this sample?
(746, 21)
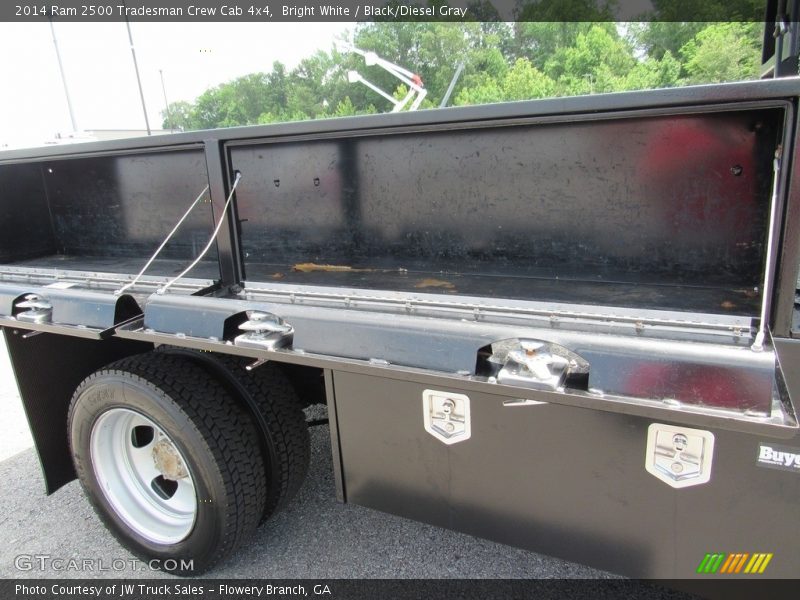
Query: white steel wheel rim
(143, 476)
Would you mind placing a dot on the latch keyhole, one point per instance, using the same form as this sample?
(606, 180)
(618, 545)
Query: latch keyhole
(447, 408)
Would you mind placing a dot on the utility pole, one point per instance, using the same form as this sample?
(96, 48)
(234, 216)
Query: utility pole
(138, 79)
(63, 78)
(452, 85)
(166, 104)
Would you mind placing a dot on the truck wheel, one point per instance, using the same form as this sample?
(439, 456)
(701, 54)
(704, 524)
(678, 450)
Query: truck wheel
(275, 405)
(168, 459)
(287, 445)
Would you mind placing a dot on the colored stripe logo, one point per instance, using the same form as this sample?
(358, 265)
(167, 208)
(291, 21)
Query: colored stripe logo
(735, 563)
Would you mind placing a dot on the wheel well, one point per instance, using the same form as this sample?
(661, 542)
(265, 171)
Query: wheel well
(307, 381)
(223, 368)
(210, 362)
(49, 368)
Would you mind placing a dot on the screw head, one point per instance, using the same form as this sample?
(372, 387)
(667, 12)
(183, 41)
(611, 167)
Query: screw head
(679, 442)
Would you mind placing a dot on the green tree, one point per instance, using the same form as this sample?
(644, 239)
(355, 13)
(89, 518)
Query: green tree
(485, 65)
(723, 52)
(545, 26)
(177, 115)
(652, 73)
(539, 41)
(306, 85)
(502, 62)
(482, 90)
(239, 102)
(345, 108)
(523, 81)
(657, 38)
(597, 62)
(674, 23)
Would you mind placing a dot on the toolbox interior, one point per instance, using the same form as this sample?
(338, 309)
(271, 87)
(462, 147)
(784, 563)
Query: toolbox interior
(106, 214)
(659, 212)
(664, 211)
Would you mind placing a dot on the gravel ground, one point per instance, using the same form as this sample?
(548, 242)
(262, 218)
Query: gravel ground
(315, 537)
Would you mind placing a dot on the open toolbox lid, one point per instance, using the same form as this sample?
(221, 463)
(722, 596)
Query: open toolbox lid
(653, 209)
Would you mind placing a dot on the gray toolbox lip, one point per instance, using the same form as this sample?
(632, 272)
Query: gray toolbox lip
(78, 308)
(449, 347)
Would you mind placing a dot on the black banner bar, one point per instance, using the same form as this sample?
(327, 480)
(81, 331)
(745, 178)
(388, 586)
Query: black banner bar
(258, 11)
(376, 589)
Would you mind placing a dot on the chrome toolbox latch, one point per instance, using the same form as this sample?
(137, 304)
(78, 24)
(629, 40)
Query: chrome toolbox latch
(679, 456)
(532, 365)
(34, 309)
(446, 416)
(264, 330)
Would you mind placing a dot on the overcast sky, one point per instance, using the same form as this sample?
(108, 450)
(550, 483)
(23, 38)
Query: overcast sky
(102, 82)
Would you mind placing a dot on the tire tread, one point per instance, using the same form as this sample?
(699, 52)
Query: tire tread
(227, 432)
(280, 408)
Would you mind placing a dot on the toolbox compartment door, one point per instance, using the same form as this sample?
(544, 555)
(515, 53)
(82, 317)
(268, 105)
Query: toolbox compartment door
(561, 480)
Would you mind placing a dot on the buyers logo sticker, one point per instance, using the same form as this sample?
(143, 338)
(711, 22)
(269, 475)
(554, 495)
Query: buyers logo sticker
(778, 457)
(722, 563)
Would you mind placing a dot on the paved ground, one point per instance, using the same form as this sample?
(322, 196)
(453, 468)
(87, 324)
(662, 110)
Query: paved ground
(14, 433)
(315, 537)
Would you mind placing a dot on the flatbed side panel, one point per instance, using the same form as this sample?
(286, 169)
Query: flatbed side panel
(564, 481)
(48, 369)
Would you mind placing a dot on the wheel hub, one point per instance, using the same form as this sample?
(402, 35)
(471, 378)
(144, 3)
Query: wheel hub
(168, 461)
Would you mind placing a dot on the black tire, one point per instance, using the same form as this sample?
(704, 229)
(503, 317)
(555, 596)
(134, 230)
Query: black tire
(207, 426)
(269, 393)
(288, 446)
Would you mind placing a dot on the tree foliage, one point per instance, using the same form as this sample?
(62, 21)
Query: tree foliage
(502, 62)
(722, 52)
